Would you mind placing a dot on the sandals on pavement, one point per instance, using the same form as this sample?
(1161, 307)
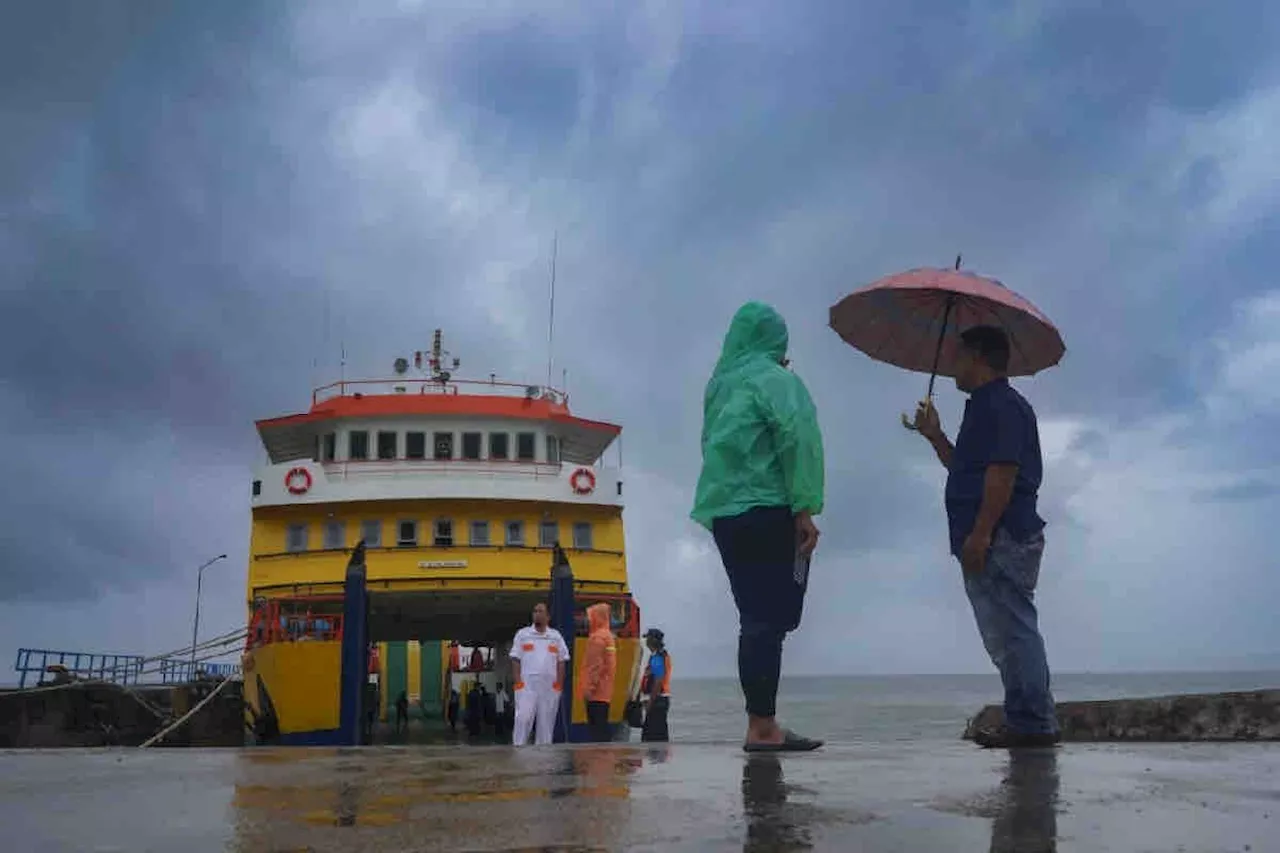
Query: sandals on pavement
(791, 742)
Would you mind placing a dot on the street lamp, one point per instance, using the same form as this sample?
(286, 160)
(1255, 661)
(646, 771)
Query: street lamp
(195, 629)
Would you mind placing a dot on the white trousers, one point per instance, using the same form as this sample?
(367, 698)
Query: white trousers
(536, 701)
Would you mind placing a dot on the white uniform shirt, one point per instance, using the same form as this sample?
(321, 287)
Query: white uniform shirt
(538, 651)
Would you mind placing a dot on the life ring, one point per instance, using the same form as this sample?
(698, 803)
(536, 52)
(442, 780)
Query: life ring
(582, 481)
(298, 481)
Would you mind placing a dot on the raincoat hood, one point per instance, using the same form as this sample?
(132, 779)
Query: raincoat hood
(601, 662)
(756, 331)
(761, 445)
(597, 617)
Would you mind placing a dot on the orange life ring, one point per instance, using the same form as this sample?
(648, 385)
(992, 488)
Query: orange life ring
(579, 487)
(291, 481)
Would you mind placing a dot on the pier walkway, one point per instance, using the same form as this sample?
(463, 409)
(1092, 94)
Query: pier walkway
(910, 796)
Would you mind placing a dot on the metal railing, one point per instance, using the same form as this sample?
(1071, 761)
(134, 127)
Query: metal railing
(118, 669)
(114, 668)
(498, 469)
(423, 385)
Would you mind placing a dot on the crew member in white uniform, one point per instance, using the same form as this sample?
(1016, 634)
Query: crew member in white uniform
(538, 657)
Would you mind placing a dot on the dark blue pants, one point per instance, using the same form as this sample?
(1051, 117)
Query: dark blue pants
(758, 549)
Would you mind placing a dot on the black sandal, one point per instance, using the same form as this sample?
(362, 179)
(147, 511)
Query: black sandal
(791, 742)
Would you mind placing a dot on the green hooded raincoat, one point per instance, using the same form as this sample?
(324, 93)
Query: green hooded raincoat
(761, 445)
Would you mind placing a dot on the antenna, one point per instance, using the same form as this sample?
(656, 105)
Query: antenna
(438, 361)
(551, 319)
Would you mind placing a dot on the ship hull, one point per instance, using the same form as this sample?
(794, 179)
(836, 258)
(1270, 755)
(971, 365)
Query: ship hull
(292, 692)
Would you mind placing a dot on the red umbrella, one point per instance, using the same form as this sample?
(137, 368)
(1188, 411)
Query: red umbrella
(914, 319)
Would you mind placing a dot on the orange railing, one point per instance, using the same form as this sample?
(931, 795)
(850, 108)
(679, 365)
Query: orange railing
(292, 621)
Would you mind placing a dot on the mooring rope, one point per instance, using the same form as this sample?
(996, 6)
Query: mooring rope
(178, 722)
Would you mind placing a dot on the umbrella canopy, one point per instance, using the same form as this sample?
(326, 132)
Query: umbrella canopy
(914, 320)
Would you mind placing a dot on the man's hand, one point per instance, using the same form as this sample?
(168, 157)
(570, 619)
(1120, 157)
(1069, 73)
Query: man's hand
(973, 556)
(927, 422)
(806, 534)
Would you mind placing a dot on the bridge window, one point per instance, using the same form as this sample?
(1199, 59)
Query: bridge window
(499, 445)
(257, 488)
(358, 444)
(444, 445)
(515, 533)
(471, 442)
(388, 444)
(526, 446)
(479, 534)
(407, 534)
(548, 533)
(582, 535)
(371, 533)
(553, 449)
(330, 449)
(415, 445)
(444, 533)
(295, 538)
(335, 535)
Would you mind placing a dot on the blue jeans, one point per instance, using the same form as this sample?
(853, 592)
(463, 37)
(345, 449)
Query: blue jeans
(1003, 599)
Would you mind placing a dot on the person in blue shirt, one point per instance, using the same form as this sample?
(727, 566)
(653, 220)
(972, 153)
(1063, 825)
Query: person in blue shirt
(993, 477)
(655, 687)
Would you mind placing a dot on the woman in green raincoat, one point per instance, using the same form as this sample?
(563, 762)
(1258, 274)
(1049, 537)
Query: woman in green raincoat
(760, 486)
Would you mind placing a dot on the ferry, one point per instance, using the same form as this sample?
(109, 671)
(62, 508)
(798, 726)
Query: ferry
(461, 491)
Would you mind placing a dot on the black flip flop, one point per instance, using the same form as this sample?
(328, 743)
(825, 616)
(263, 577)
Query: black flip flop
(791, 742)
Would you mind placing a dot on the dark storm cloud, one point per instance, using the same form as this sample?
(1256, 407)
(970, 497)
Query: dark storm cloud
(203, 204)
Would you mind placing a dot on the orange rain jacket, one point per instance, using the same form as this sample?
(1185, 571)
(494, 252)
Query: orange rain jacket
(601, 661)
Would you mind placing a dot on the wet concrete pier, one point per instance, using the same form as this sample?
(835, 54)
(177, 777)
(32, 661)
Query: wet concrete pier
(909, 796)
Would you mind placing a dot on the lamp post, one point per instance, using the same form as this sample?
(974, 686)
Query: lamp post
(195, 629)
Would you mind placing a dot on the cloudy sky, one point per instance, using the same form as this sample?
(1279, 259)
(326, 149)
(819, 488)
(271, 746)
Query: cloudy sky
(200, 203)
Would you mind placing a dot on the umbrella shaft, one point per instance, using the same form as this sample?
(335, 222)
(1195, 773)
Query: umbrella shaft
(937, 353)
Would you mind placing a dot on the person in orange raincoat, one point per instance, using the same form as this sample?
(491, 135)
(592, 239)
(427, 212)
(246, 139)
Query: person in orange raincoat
(599, 667)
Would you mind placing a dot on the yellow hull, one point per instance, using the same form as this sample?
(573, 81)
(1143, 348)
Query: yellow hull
(297, 684)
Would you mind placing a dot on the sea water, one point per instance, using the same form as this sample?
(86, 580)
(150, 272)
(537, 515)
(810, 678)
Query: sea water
(910, 707)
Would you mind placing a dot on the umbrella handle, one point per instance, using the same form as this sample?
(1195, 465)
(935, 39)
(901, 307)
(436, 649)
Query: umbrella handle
(907, 422)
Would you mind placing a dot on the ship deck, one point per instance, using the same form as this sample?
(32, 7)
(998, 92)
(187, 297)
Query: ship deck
(899, 796)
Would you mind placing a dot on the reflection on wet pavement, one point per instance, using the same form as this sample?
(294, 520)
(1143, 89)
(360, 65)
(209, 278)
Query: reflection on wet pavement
(770, 824)
(1027, 816)
(903, 796)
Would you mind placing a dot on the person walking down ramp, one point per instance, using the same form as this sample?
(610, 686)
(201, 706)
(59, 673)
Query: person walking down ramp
(538, 656)
(600, 666)
(761, 483)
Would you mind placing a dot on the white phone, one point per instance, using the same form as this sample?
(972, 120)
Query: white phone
(801, 569)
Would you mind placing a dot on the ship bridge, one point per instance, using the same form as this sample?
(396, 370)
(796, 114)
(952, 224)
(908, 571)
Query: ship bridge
(460, 489)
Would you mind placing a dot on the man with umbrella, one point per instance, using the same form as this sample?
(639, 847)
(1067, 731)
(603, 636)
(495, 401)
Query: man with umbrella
(993, 469)
(993, 475)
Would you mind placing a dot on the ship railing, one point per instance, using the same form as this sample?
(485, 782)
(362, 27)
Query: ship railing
(269, 625)
(479, 468)
(425, 385)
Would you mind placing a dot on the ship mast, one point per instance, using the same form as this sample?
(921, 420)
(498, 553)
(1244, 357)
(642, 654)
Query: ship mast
(440, 362)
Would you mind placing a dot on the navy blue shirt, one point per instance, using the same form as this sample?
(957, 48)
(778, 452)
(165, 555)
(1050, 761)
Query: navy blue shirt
(999, 426)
